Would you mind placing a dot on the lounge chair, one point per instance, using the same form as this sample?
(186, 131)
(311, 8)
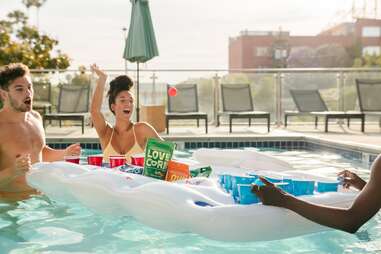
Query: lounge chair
(237, 102)
(369, 92)
(73, 104)
(310, 102)
(185, 105)
(42, 97)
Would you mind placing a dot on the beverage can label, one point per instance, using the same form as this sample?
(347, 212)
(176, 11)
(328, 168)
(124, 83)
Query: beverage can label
(157, 155)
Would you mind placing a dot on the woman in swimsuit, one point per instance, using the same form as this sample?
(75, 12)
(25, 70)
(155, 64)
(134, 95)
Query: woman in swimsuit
(126, 137)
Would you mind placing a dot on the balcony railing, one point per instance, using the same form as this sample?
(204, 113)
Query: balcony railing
(269, 87)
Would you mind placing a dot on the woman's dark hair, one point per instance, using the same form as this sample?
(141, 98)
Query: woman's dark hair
(117, 85)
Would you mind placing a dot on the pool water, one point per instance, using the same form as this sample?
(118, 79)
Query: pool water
(38, 225)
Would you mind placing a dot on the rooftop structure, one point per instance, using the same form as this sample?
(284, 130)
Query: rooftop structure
(271, 49)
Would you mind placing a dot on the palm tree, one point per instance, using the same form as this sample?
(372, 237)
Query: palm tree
(37, 4)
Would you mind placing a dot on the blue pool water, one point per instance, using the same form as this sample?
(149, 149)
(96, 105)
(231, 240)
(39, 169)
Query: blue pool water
(38, 225)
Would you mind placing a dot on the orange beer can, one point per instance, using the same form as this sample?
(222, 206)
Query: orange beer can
(177, 171)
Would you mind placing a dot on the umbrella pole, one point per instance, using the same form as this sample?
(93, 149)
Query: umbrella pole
(137, 96)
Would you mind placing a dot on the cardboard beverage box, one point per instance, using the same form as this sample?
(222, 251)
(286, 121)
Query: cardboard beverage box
(182, 168)
(200, 171)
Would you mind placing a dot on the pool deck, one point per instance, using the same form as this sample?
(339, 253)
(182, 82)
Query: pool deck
(351, 137)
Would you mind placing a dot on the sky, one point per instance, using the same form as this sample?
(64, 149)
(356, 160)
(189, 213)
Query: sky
(191, 34)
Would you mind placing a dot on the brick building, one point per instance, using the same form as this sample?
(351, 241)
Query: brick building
(268, 49)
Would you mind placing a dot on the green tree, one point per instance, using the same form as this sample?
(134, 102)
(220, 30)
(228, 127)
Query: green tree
(328, 56)
(333, 55)
(366, 60)
(302, 57)
(20, 42)
(82, 78)
(371, 60)
(37, 4)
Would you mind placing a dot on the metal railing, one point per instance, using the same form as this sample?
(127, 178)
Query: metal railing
(269, 86)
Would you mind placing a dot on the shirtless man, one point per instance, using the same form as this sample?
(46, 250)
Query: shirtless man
(22, 137)
(364, 207)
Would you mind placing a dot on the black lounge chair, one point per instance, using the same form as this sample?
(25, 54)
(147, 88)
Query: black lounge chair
(42, 97)
(310, 102)
(369, 92)
(185, 105)
(73, 104)
(237, 102)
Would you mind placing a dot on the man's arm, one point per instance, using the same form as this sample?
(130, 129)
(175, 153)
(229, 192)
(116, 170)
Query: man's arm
(365, 206)
(21, 165)
(50, 154)
(6, 176)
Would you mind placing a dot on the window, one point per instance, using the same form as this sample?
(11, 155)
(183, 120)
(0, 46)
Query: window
(262, 51)
(371, 31)
(284, 53)
(371, 50)
(280, 53)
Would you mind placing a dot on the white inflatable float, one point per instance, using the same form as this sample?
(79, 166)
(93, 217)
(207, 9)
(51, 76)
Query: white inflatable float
(244, 159)
(197, 205)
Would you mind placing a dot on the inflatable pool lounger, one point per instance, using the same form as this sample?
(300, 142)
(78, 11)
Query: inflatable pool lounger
(196, 205)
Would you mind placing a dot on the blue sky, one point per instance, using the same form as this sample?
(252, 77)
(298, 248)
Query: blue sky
(190, 33)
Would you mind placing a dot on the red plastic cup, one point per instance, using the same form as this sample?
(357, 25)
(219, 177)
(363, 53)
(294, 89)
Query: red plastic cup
(137, 160)
(72, 159)
(95, 160)
(116, 161)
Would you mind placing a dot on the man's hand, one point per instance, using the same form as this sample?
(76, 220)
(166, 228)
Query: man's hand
(101, 75)
(351, 179)
(269, 194)
(74, 149)
(22, 165)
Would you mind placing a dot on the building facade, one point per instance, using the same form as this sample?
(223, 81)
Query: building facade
(271, 49)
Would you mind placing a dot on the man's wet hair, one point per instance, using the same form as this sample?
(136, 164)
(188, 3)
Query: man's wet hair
(10, 72)
(117, 85)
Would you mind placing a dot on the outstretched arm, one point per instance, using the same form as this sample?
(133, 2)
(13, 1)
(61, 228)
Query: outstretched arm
(365, 206)
(50, 154)
(96, 102)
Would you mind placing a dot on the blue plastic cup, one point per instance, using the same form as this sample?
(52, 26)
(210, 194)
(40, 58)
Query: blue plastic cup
(228, 182)
(285, 186)
(252, 174)
(303, 187)
(258, 182)
(221, 179)
(240, 180)
(246, 197)
(273, 180)
(327, 186)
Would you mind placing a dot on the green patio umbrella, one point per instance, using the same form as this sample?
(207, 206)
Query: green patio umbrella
(140, 43)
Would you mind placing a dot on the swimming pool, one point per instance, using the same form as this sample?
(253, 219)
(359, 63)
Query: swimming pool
(38, 225)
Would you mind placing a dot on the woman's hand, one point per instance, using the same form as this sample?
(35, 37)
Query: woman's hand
(351, 179)
(101, 74)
